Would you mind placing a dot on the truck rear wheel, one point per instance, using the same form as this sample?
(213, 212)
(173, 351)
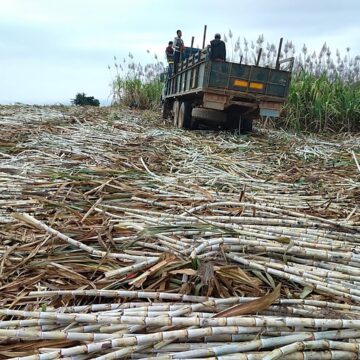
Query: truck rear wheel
(240, 121)
(166, 110)
(184, 118)
(246, 124)
(176, 110)
(194, 125)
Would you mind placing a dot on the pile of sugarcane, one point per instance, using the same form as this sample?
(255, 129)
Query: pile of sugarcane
(175, 326)
(121, 237)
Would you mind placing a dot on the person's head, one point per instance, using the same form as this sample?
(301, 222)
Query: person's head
(170, 43)
(217, 36)
(178, 33)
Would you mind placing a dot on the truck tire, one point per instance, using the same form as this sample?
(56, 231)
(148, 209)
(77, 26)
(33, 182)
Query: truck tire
(246, 124)
(215, 116)
(233, 121)
(166, 110)
(176, 110)
(184, 119)
(240, 121)
(194, 125)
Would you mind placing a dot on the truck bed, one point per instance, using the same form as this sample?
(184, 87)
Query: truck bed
(197, 74)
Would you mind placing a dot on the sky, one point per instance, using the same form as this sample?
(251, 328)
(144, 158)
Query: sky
(53, 49)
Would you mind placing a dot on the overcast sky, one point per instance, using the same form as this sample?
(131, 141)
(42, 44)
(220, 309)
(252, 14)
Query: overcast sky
(53, 49)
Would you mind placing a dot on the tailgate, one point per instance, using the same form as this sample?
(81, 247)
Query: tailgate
(249, 79)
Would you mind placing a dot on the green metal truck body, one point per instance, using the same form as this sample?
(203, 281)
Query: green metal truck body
(224, 94)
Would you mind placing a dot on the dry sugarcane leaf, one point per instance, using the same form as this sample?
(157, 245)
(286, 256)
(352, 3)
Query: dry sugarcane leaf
(262, 278)
(185, 288)
(168, 259)
(206, 272)
(288, 293)
(222, 290)
(207, 278)
(242, 194)
(159, 283)
(236, 274)
(189, 272)
(201, 190)
(271, 280)
(283, 240)
(251, 307)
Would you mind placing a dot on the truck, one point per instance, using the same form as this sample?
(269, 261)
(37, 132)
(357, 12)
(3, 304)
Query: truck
(224, 94)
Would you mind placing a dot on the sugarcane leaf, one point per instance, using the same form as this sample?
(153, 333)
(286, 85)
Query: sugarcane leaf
(291, 244)
(138, 281)
(253, 306)
(206, 273)
(271, 280)
(260, 275)
(288, 293)
(237, 275)
(195, 263)
(184, 271)
(198, 288)
(307, 291)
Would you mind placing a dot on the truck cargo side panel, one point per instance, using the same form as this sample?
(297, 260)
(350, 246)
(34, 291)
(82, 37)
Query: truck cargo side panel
(187, 81)
(201, 76)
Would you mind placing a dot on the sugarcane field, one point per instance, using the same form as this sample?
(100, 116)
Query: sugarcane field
(125, 237)
(179, 180)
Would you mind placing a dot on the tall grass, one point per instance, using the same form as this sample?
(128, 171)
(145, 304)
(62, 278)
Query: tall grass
(135, 85)
(319, 104)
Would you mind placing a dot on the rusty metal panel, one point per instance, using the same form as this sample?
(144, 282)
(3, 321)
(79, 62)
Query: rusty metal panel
(270, 105)
(214, 101)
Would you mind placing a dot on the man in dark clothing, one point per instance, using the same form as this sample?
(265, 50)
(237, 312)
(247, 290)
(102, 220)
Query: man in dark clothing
(169, 51)
(178, 47)
(217, 49)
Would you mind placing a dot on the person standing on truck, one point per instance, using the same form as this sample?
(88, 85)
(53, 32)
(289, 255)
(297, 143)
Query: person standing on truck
(217, 49)
(178, 47)
(169, 51)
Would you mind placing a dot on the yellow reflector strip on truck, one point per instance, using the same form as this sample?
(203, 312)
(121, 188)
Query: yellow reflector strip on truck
(242, 83)
(255, 85)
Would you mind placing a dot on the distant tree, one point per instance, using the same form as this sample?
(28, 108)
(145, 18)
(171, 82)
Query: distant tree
(82, 100)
